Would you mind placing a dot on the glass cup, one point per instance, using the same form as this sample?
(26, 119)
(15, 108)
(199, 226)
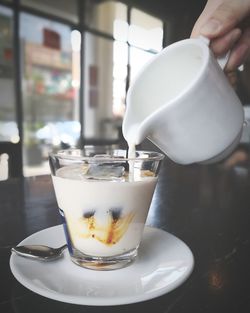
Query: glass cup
(104, 198)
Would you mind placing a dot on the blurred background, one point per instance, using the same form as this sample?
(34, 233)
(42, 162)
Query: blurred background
(65, 68)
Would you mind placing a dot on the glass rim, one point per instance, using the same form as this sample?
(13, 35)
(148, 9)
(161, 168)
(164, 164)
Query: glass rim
(65, 154)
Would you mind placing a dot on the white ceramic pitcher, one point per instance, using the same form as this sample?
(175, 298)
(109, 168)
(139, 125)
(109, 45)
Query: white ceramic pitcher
(182, 101)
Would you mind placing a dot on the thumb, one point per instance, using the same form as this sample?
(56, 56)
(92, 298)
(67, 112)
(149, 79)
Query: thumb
(226, 16)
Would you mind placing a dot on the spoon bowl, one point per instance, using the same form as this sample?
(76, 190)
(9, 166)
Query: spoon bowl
(39, 252)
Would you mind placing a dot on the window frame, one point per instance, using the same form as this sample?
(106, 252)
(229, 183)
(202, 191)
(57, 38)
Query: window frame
(17, 8)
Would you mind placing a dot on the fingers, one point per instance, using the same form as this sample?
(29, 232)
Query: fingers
(240, 52)
(208, 11)
(223, 44)
(226, 16)
(232, 78)
(227, 24)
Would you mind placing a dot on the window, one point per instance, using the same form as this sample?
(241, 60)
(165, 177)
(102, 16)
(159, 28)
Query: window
(145, 39)
(106, 62)
(108, 16)
(62, 8)
(8, 125)
(120, 72)
(138, 58)
(50, 92)
(99, 117)
(145, 31)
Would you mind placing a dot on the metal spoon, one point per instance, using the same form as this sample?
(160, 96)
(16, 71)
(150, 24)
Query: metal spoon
(39, 252)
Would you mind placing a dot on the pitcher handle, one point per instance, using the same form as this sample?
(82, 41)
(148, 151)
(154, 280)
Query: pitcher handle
(222, 60)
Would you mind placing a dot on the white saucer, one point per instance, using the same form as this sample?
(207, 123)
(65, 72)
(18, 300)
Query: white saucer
(164, 262)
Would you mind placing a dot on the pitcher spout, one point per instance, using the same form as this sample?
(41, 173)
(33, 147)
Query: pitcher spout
(134, 134)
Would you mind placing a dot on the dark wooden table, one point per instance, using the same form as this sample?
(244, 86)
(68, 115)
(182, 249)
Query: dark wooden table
(207, 206)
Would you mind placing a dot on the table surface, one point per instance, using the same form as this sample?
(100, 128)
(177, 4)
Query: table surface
(206, 206)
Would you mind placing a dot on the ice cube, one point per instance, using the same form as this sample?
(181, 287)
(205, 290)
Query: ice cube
(100, 156)
(73, 171)
(105, 171)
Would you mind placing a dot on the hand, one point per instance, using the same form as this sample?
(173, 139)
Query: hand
(227, 24)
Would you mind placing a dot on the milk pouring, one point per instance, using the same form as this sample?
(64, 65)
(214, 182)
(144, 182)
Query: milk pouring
(182, 101)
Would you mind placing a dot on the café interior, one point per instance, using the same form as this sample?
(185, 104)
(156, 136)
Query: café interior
(65, 69)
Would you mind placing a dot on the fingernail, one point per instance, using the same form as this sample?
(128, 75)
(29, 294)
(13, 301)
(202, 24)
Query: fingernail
(211, 27)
